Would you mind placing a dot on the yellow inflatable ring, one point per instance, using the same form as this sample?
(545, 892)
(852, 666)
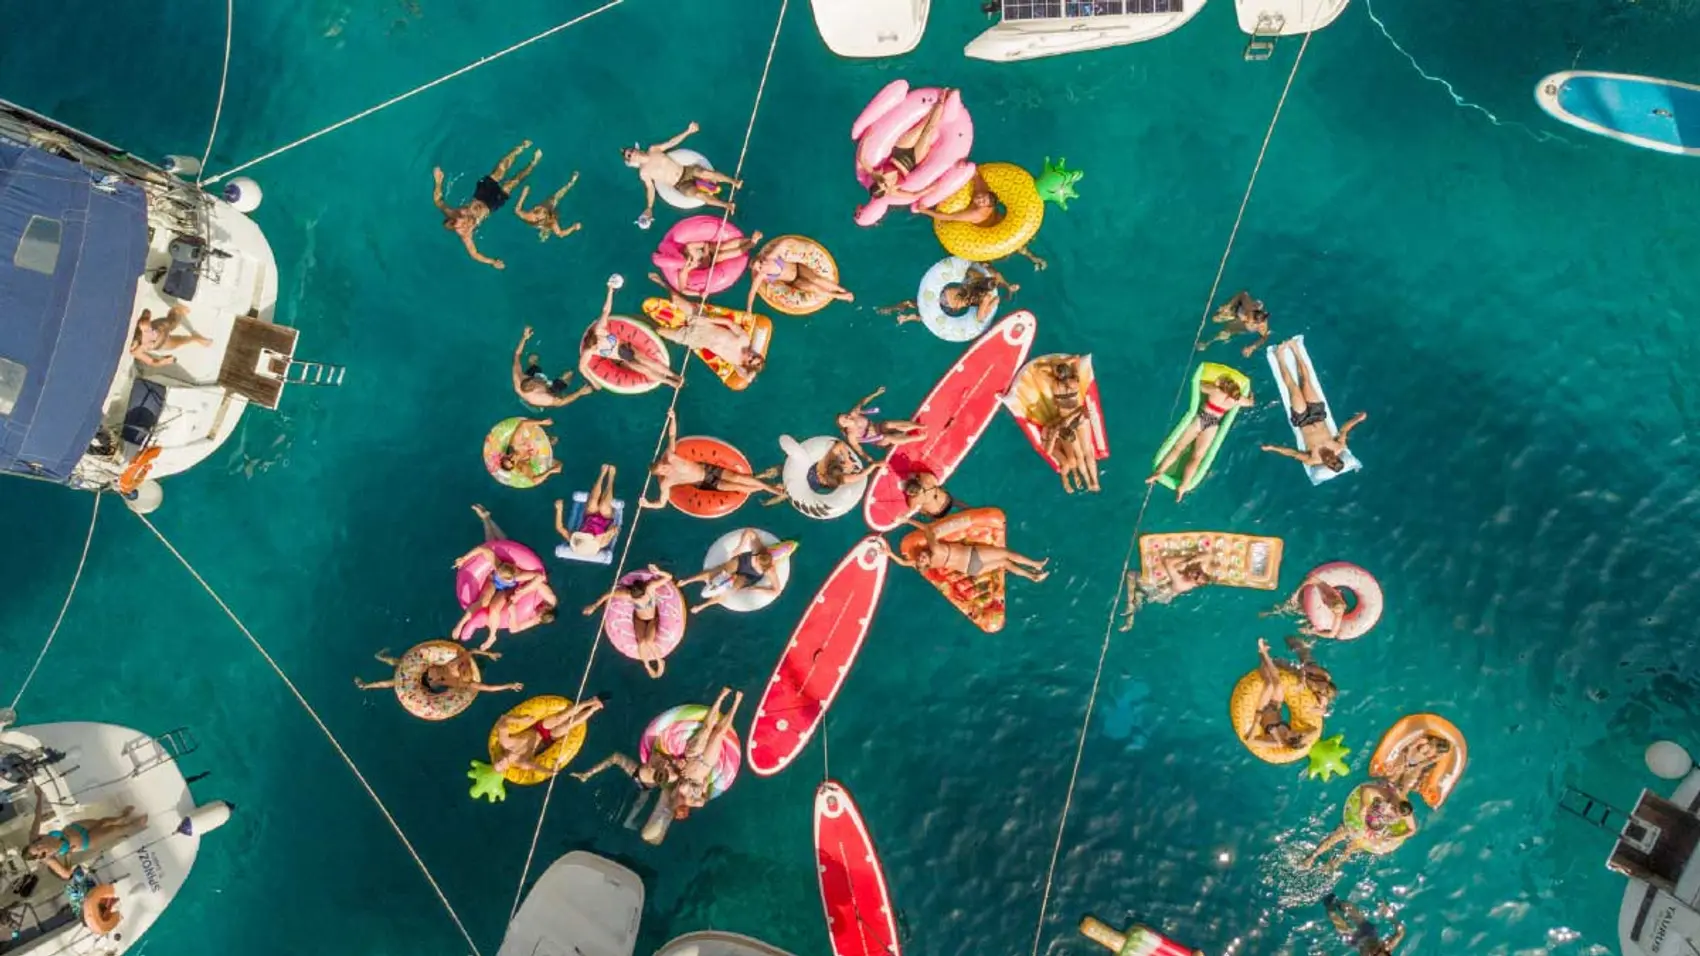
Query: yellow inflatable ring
(1304, 715)
(555, 756)
(1024, 211)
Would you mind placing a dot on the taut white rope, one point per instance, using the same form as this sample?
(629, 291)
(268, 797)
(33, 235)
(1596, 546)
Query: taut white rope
(54, 631)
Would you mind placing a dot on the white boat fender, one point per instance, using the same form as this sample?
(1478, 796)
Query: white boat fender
(146, 499)
(243, 194)
(205, 818)
(182, 166)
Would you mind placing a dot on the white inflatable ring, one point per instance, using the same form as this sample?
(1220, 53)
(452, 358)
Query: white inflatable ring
(747, 600)
(672, 196)
(960, 328)
(800, 460)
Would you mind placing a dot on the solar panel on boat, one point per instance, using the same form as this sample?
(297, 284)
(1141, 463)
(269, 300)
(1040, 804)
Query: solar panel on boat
(1063, 9)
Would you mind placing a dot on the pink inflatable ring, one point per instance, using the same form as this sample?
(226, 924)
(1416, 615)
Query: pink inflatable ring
(1362, 591)
(471, 577)
(621, 627)
(670, 256)
(891, 114)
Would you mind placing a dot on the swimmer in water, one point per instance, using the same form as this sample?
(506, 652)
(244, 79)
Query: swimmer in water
(1323, 448)
(656, 168)
(656, 772)
(1242, 315)
(721, 336)
(1183, 573)
(675, 471)
(769, 268)
(749, 569)
(1357, 931)
(978, 292)
(703, 255)
(971, 560)
(858, 429)
(911, 150)
(1220, 397)
(597, 530)
(646, 612)
(458, 674)
(539, 390)
(601, 342)
(546, 216)
(155, 336)
(523, 739)
(489, 195)
(982, 211)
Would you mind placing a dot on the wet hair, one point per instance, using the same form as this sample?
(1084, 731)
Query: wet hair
(629, 152)
(1196, 572)
(755, 361)
(1228, 386)
(959, 294)
(1404, 808)
(546, 616)
(681, 811)
(506, 462)
(878, 189)
(1441, 744)
(1331, 460)
(1062, 371)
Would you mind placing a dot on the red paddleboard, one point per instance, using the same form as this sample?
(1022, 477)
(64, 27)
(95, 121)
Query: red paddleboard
(818, 658)
(859, 917)
(956, 414)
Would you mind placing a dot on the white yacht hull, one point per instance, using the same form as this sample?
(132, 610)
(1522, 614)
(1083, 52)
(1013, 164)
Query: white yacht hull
(583, 905)
(1032, 39)
(870, 29)
(1287, 18)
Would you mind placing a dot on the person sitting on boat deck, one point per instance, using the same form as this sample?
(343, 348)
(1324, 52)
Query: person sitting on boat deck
(523, 738)
(601, 342)
(546, 216)
(658, 771)
(972, 560)
(1332, 600)
(858, 429)
(1220, 397)
(911, 150)
(696, 765)
(53, 849)
(155, 336)
(721, 335)
(982, 211)
(1183, 574)
(1242, 315)
(1268, 724)
(1314, 676)
(703, 255)
(1356, 929)
(1386, 815)
(646, 613)
(655, 167)
(1310, 417)
(748, 569)
(839, 465)
(1069, 443)
(458, 674)
(978, 293)
(539, 390)
(521, 450)
(1419, 758)
(596, 530)
(489, 195)
(767, 268)
(674, 470)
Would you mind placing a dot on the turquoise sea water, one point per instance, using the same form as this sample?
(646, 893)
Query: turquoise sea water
(1511, 304)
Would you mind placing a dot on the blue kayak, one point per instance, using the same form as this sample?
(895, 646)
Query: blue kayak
(1640, 110)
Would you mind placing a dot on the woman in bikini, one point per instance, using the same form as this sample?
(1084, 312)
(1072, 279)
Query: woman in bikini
(1242, 315)
(1220, 397)
(672, 470)
(1268, 724)
(523, 738)
(695, 766)
(539, 390)
(1332, 600)
(507, 584)
(458, 674)
(489, 195)
(601, 342)
(979, 293)
(858, 429)
(1310, 416)
(1068, 441)
(911, 150)
(838, 466)
(982, 211)
(703, 255)
(749, 569)
(54, 848)
(520, 451)
(596, 530)
(153, 336)
(768, 268)
(971, 560)
(646, 612)
(1418, 761)
(547, 215)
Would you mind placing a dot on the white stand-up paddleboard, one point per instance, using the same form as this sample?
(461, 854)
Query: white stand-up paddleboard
(868, 29)
(583, 905)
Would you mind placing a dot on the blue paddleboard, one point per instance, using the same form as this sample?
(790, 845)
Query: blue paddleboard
(1640, 110)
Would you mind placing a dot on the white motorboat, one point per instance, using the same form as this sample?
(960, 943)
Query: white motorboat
(1029, 29)
(869, 29)
(716, 943)
(79, 771)
(1268, 20)
(583, 905)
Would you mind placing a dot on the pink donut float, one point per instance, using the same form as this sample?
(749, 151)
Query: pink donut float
(1363, 591)
(670, 256)
(888, 116)
(471, 577)
(621, 629)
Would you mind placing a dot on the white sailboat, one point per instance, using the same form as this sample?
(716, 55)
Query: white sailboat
(1029, 29)
(77, 771)
(583, 905)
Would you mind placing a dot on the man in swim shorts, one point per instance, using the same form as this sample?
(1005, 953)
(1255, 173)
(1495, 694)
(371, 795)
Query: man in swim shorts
(720, 335)
(1310, 416)
(655, 168)
(458, 674)
(489, 195)
(1243, 314)
(522, 739)
(1357, 931)
(674, 470)
(546, 216)
(539, 390)
(982, 211)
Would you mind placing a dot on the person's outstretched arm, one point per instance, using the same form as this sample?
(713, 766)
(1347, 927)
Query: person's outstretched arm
(472, 250)
(1286, 452)
(437, 189)
(1351, 423)
(519, 352)
(673, 143)
(607, 305)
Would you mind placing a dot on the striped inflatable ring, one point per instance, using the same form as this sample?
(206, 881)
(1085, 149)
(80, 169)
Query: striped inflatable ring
(672, 730)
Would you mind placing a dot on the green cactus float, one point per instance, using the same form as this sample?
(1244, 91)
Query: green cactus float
(486, 782)
(1056, 183)
(1328, 758)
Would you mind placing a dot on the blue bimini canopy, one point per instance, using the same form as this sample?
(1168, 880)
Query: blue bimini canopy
(72, 245)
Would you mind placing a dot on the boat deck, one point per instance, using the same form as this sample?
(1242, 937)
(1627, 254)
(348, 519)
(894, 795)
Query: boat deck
(1070, 9)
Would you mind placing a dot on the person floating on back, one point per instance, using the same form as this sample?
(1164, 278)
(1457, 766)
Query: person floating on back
(1356, 929)
(1310, 416)
(546, 216)
(1242, 315)
(655, 168)
(489, 195)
